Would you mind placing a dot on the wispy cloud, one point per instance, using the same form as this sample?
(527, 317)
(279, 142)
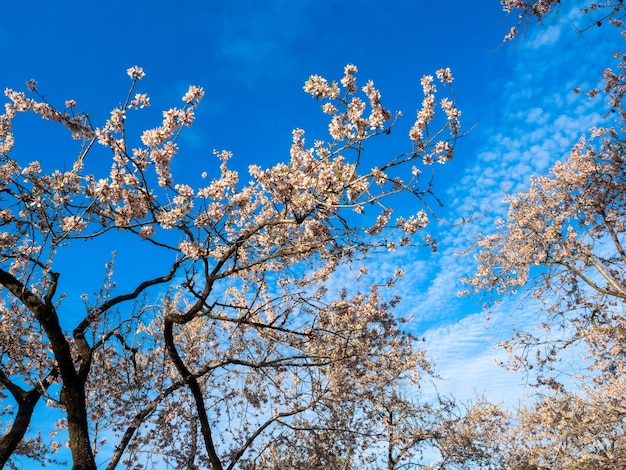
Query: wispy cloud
(538, 119)
(466, 361)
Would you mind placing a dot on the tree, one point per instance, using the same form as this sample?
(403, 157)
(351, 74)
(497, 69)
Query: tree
(227, 336)
(535, 11)
(394, 431)
(565, 238)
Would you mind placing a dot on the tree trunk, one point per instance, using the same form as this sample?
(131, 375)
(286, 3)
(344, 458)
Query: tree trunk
(77, 426)
(73, 382)
(10, 441)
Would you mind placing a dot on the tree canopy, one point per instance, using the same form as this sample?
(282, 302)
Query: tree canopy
(563, 239)
(221, 333)
(236, 348)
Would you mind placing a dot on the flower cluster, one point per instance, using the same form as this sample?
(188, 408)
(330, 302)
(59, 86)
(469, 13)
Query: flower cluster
(193, 94)
(242, 297)
(348, 122)
(136, 73)
(319, 88)
(413, 223)
(419, 131)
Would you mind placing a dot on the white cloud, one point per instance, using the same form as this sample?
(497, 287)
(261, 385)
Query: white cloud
(545, 37)
(467, 359)
(538, 120)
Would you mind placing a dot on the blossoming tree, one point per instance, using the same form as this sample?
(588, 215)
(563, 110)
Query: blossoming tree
(565, 238)
(233, 339)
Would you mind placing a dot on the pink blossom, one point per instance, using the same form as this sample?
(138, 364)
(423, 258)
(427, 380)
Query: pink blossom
(135, 73)
(73, 223)
(193, 94)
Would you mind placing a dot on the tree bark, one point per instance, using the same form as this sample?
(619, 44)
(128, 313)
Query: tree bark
(26, 402)
(73, 383)
(10, 441)
(77, 426)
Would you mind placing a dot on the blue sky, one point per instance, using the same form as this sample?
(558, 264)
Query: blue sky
(252, 58)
